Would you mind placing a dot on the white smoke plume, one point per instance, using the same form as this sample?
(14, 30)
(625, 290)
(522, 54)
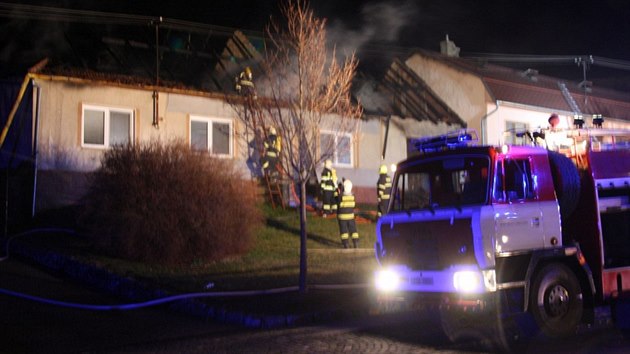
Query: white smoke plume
(379, 22)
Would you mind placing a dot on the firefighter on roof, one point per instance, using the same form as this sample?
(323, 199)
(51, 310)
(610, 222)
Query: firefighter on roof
(383, 190)
(272, 147)
(245, 83)
(345, 217)
(328, 184)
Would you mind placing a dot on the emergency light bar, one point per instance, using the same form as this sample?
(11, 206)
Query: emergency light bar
(450, 140)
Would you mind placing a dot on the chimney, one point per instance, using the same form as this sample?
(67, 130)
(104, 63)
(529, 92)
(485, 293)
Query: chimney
(448, 48)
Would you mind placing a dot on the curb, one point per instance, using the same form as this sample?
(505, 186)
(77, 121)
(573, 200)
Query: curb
(132, 290)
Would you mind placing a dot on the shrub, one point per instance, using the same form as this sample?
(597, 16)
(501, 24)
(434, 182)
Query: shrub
(169, 204)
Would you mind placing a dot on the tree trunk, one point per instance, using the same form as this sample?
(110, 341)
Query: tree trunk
(303, 258)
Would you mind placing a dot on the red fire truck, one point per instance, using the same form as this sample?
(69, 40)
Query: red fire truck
(508, 240)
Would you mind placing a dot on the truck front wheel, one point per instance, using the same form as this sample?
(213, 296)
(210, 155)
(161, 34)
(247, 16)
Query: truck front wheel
(556, 300)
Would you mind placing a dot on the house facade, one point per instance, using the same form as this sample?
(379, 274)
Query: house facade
(78, 118)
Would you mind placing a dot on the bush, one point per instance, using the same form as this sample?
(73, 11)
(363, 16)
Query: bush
(169, 204)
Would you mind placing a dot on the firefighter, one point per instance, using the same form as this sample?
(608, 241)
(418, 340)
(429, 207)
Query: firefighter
(383, 190)
(337, 192)
(272, 151)
(345, 217)
(555, 137)
(245, 83)
(328, 184)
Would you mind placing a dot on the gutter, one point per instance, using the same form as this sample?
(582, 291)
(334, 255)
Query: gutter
(484, 120)
(35, 147)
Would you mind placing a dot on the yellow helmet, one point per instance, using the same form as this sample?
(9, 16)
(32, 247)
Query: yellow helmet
(248, 72)
(382, 169)
(272, 130)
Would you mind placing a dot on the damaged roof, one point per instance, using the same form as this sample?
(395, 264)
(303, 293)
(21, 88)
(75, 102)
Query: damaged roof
(528, 87)
(403, 93)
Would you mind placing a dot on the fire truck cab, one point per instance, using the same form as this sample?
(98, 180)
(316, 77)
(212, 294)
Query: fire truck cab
(496, 231)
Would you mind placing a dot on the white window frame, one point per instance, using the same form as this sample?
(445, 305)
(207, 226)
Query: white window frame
(209, 121)
(335, 155)
(106, 129)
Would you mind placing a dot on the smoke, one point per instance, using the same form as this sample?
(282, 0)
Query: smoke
(377, 22)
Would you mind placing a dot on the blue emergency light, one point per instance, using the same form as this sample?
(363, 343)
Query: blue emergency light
(460, 138)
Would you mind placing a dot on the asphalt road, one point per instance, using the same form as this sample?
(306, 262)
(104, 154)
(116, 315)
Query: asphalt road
(32, 327)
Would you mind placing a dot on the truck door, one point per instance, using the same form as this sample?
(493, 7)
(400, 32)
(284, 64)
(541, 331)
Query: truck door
(518, 216)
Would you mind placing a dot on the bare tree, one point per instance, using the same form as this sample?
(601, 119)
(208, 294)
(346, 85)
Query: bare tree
(304, 90)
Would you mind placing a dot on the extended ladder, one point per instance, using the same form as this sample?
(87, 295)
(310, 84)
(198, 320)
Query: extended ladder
(274, 190)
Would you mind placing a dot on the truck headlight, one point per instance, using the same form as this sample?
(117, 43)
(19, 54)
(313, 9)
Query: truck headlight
(387, 280)
(467, 281)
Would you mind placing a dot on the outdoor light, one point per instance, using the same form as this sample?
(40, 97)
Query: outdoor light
(393, 167)
(578, 121)
(598, 120)
(387, 281)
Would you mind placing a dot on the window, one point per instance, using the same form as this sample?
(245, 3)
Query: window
(513, 180)
(211, 134)
(105, 127)
(515, 133)
(443, 183)
(337, 148)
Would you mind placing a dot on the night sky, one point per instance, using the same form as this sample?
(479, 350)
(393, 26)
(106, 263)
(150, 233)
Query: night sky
(532, 27)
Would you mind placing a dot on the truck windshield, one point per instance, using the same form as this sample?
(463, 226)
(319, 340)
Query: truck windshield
(441, 183)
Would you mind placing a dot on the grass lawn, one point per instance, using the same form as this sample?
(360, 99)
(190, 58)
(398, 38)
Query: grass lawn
(273, 261)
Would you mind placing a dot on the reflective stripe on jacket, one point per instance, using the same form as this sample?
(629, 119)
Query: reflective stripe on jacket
(327, 182)
(384, 187)
(271, 146)
(346, 208)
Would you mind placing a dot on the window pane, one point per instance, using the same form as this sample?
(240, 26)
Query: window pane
(326, 145)
(518, 180)
(344, 155)
(199, 135)
(220, 138)
(94, 127)
(119, 124)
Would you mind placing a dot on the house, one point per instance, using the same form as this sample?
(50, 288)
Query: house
(80, 114)
(77, 113)
(498, 100)
(128, 89)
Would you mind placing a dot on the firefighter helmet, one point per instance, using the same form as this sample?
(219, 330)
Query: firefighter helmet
(272, 130)
(347, 187)
(248, 72)
(328, 164)
(383, 169)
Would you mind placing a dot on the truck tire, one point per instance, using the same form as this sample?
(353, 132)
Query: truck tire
(566, 181)
(556, 301)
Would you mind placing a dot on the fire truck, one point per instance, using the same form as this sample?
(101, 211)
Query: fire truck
(509, 241)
